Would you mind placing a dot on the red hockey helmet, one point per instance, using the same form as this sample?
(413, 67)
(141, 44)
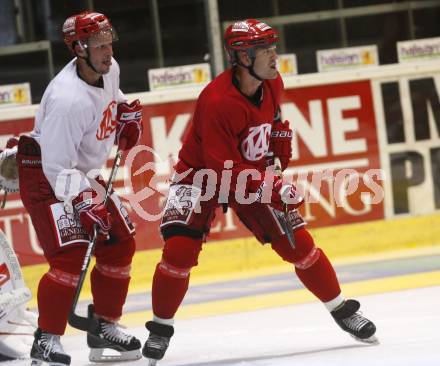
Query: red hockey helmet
(86, 25)
(248, 34)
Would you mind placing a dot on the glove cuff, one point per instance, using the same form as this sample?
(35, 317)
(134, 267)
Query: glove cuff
(84, 200)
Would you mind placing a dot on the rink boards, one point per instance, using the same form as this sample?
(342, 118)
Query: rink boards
(245, 258)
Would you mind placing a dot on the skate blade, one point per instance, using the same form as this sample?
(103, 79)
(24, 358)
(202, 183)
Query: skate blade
(97, 355)
(152, 362)
(36, 362)
(372, 340)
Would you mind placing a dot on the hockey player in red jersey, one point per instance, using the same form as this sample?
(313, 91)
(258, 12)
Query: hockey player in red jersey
(237, 129)
(82, 115)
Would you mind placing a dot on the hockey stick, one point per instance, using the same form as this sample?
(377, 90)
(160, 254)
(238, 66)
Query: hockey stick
(75, 320)
(284, 219)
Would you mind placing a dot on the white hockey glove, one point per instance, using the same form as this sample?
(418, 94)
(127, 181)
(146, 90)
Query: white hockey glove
(8, 167)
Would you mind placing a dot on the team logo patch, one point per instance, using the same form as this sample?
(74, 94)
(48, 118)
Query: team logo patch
(182, 200)
(256, 145)
(67, 226)
(108, 124)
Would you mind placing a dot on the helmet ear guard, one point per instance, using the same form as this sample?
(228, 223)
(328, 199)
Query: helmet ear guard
(233, 56)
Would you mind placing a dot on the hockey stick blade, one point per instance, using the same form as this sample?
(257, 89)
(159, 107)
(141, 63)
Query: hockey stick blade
(286, 227)
(82, 323)
(89, 323)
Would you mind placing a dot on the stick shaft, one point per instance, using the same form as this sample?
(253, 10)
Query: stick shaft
(284, 220)
(76, 321)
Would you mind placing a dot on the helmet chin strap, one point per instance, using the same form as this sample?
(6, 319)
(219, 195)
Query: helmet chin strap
(89, 63)
(252, 71)
(87, 58)
(251, 54)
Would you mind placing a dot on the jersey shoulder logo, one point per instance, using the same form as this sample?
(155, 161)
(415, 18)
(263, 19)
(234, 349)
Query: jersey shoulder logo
(256, 145)
(107, 124)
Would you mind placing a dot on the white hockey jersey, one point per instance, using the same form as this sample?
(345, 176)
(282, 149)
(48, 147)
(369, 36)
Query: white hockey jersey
(75, 127)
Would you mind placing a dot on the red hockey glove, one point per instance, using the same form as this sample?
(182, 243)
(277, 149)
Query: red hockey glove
(91, 213)
(12, 142)
(129, 128)
(281, 142)
(280, 194)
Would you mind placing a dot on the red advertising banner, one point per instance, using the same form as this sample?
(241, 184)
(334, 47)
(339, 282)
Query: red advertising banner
(336, 145)
(335, 161)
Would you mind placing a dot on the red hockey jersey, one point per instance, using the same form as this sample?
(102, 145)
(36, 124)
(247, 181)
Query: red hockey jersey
(228, 126)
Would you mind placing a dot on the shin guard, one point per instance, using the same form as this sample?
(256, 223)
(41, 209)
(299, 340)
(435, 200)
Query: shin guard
(171, 278)
(55, 295)
(110, 278)
(311, 265)
(109, 292)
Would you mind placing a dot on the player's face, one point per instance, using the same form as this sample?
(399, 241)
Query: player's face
(265, 65)
(101, 52)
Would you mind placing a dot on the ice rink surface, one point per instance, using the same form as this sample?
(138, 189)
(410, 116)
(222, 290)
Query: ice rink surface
(408, 325)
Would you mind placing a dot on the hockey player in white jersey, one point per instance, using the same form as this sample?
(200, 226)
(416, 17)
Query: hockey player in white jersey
(82, 115)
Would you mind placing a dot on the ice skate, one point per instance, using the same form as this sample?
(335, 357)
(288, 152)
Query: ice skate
(109, 336)
(157, 342)
(351, 320)
(47, 348)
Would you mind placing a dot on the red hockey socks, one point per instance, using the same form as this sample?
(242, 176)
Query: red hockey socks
(54, 302)
(167, 293)
(110, 278)
(171, 278)
(109, 291)
(311, 265)
(320, 278)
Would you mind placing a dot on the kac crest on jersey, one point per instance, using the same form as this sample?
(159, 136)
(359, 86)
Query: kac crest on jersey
(108, 123)
(256, 145)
